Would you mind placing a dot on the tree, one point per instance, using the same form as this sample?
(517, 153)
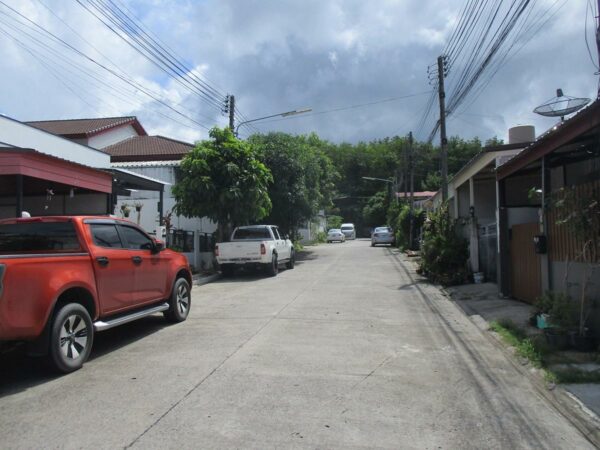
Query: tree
(223, 179)
(375, 211)
(303, 177)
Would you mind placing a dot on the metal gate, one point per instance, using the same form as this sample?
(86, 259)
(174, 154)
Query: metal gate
(488, 241)
(525, 264)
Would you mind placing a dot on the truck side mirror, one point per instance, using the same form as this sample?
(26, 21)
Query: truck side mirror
(158, 246)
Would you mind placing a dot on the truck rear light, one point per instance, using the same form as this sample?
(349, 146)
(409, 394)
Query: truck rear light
(216, 250)
(263, 249)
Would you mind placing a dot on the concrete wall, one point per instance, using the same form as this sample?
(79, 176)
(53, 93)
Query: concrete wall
(112, 136)
(18, 134)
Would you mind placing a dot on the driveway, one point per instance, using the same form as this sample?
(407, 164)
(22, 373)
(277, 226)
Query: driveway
(348, 350)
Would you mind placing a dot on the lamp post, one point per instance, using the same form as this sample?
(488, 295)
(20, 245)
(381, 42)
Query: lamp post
(284, 114)
(385, 180)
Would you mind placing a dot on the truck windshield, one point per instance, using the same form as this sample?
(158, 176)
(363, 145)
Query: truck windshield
(254, 233)
(38, 237)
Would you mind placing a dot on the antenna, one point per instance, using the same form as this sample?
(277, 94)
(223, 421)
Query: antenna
(561, 105)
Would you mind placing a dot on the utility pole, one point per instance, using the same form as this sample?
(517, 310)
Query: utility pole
(405, 172)
(231, 113)
(598, 41)
(412, 189)
(444, 141)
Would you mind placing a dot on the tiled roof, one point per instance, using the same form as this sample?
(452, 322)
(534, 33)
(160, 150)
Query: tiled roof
(85, 127)
(148, 148)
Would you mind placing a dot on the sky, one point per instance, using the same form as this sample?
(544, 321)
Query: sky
(361, 66)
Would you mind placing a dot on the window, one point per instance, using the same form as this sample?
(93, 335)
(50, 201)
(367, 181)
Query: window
(135, 239)
(256, 233)
(276, 233)
(105, 235)
(38, 237)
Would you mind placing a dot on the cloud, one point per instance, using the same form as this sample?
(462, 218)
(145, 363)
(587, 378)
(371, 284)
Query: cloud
(275, 56)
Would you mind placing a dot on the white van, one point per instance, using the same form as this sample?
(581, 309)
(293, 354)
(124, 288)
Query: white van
(348, 230)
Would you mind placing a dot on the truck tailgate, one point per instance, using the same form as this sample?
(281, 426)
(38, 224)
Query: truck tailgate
(239, 251)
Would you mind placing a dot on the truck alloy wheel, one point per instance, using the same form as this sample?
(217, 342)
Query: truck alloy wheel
(71, 338)
(180, 301)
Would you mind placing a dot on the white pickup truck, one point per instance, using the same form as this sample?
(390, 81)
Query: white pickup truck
(258, 246)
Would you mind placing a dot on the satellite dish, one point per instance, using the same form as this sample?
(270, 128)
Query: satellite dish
(561, 105)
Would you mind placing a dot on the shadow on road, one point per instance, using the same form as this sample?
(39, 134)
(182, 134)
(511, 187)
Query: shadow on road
(19, 372)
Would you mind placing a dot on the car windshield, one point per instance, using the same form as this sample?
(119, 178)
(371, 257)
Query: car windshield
(335, 231)
(348, 227)
(383, 230)
(252, 233)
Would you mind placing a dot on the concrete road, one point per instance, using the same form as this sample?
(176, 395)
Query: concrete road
(347, 350)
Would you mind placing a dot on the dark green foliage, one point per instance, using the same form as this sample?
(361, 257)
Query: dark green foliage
(303, 177)
(375, 211)
(443, 253)
(400, 222)
(223, 179)
(334, 221)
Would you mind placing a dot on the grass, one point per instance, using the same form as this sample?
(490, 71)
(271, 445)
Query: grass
(537, 352)
(515, 337)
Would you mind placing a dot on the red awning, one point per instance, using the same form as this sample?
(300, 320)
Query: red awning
(33, 164)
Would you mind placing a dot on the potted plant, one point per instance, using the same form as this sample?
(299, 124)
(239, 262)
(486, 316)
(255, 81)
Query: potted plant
(562, 319)
(125, 210)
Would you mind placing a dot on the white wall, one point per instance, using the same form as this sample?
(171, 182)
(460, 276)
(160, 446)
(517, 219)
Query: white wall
(112, 136)
(18, 134)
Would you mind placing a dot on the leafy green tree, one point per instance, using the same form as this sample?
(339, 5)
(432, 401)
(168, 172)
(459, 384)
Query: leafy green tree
(223, 179)
(303, 177)
(375, 211)
(334, 221)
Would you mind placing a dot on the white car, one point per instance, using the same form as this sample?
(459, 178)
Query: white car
(255, 246)
(335, 235)
(349, 230)
(382, 235)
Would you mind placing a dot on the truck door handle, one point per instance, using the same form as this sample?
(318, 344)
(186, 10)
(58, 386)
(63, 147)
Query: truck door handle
(136, 259)
(102, 260)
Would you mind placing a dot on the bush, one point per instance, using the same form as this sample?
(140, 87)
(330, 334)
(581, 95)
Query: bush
(334, 222)
(444, 254)
(561, 308)
(399, 219)
(321, 237)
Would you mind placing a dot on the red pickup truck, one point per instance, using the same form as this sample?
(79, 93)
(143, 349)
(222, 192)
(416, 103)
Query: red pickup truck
(64, 278)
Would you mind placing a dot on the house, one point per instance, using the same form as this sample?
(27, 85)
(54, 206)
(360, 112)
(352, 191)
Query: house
(45, 174)
(472, 199)
(131, 150)
(536, 250)
(421, 199)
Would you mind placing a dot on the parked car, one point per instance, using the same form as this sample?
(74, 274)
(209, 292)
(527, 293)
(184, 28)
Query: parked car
(255, 246)
(382, 235)
(335, 235)
(62, 279)
(349, 230)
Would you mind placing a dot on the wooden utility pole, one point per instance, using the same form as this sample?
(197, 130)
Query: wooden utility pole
(232, 113)
(598, 41)
(412, 189)
(444, 141)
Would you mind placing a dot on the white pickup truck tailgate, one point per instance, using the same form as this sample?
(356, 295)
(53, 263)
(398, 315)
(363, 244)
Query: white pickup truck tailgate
(239, 251)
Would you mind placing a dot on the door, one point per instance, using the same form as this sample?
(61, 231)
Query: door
(525, 264)
(113, 268)
(283, 251)
(150, 269)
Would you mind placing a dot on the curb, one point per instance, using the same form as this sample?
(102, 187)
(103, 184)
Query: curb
(199, 281)
(567, 404)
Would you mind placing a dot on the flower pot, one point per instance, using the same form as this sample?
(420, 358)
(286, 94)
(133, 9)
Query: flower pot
(542, 321)
(556, 338)
(478, 277)
(582, 343)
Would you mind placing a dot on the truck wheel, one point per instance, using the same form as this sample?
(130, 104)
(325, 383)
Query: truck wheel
(292, 261)
(71, 338)
(180, 301)
(273, 267)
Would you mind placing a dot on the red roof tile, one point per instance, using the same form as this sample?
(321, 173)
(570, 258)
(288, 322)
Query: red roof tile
(148, 148)
(85, 127)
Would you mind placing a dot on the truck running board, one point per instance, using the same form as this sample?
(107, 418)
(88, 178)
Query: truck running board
(100, 325)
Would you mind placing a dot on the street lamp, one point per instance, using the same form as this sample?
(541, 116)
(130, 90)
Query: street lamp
(386, 180)
(285, 114)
